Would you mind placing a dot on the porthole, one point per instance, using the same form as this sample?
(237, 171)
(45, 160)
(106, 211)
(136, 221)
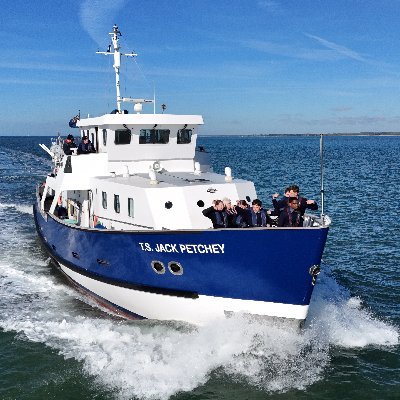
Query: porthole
(200, 203)
(168, 205)
(248, 199)
(175, 268)
(158, 267)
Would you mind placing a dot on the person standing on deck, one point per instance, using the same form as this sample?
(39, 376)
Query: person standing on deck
(217, 214)
(291, 215)
(86, 146)
(304, 203)
(279, 205)
(257, 216)
(68, 145)
(230, 211)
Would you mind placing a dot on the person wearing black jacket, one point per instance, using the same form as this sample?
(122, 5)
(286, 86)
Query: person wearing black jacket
(231, 212)
(279, 205)
(86, 146)
(242, 210)
(217, 214)
(256, 216)
(304, 203)
(68, 145)
(292, 191)
(291, 216)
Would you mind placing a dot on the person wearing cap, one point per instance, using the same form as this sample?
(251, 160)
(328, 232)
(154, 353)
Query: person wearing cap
(68, 145)
(86, 146)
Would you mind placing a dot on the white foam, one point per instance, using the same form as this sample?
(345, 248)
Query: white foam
(157, 360)
(343, 319)
(22, 208)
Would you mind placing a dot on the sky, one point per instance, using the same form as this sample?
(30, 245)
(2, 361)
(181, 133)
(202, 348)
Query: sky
(247, 66)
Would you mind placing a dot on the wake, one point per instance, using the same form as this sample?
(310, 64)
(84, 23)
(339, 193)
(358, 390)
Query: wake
(153, 359)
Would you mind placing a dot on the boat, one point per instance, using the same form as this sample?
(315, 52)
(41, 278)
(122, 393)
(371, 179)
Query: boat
(134, 237)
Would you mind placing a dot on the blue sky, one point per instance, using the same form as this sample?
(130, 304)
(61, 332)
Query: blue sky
(247, 66)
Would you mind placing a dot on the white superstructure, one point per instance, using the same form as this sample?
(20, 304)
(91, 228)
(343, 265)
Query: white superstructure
(146, 172)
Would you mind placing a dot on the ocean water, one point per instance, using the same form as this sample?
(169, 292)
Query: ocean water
(56, 344)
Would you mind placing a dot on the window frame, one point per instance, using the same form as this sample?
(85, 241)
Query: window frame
(117, 204)
(179, 139)
(154, 136)
(131, 207)
(117, 138)
(104, 137)
(104, 200)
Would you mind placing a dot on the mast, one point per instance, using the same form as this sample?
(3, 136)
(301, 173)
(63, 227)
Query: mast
(117, 63)
(115, 34)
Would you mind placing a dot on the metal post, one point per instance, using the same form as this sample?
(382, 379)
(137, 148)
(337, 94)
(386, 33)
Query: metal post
(321, 157)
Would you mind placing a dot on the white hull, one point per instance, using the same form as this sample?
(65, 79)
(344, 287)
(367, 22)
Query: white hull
(197, 311)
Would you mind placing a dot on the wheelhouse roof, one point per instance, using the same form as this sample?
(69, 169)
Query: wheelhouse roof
(168, 180)
(141, 119)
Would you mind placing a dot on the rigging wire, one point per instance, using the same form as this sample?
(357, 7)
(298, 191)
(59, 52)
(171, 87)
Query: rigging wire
(108, 85)
(125, 46)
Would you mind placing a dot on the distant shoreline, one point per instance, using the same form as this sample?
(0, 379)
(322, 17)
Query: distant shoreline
(307, 134)
(260, 134)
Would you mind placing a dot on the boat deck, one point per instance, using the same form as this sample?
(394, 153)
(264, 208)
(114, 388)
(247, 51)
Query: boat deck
(169, 179)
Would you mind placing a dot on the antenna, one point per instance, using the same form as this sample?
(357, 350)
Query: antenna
(154, 99)
(321, 158)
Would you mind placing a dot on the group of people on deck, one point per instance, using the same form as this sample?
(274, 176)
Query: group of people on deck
(85, 146)
(288, 211)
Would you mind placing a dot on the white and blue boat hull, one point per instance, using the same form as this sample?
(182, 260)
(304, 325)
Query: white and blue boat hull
(262, 271)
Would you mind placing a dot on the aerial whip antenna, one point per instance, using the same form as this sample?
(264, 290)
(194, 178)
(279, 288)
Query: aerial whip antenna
(321, 158)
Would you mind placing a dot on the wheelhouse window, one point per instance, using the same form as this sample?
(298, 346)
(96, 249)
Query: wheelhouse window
(104, 200)
(117, 207)
(160, 136)
(184, 136)
(123, 136)
(104, 137)
(131, 205)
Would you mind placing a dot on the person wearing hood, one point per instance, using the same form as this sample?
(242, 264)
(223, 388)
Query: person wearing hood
(68, 145)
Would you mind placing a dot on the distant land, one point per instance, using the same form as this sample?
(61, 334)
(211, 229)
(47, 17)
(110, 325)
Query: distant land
(310, 134)
(259, 134)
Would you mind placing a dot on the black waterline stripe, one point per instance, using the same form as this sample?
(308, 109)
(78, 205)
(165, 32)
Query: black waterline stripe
(142, 288)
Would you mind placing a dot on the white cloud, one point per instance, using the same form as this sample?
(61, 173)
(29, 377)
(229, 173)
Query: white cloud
(98, 15)
(342, 50)
(270, 5)
(50, 67)
(291, 51)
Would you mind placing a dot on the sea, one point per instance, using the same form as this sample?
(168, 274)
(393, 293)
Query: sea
(56, 344)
